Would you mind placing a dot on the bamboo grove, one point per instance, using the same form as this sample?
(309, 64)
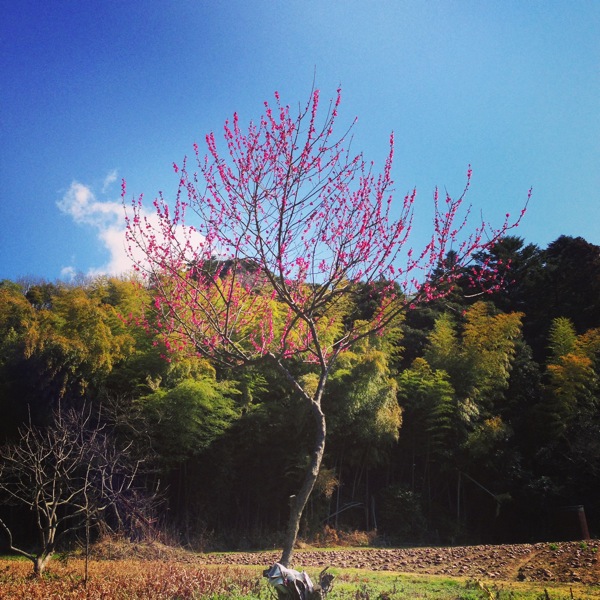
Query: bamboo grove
(472, 419)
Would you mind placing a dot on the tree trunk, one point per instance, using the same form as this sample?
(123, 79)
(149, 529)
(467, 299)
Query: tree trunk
(39, 564)
(298, 502)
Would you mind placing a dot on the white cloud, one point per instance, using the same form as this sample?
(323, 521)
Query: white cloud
(81, 204)
(107, 218)
(68, 273)
(109, 180)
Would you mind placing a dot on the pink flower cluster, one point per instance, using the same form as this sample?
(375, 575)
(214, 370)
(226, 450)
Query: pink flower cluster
(287, 223)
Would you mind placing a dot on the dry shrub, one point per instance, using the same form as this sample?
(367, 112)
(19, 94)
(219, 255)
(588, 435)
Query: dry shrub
(330, 537)
(116, 547)
(124, 579)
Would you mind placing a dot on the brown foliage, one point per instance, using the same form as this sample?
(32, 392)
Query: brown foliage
(330, 537)
(123, 579)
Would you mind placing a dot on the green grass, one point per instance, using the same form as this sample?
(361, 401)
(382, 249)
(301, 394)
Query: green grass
(357, 584)
(366, 585)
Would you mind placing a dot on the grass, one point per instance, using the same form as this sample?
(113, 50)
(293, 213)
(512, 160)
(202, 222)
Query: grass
(367, 585)
(126, 580)
(169, 579)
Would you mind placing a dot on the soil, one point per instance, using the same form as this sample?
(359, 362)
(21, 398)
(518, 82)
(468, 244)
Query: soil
(561, 562)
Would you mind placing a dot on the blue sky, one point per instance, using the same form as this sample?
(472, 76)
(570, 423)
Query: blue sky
(92, 91)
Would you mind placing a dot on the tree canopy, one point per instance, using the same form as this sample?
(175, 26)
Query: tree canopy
(452, 400)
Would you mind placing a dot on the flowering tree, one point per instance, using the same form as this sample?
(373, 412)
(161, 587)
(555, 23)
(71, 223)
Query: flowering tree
(268, 242)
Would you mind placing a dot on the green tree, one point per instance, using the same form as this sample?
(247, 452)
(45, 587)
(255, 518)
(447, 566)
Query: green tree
(443, 346)
(428, 438)
(68, 347)
(428, 402)
(489, 347)
(478, 360)
(184, 420)
(477, 354)
(571, 379)
(561, 339)
(572, 281)
(521, 268)
(362, 399)
(365, 419)
(566, 420)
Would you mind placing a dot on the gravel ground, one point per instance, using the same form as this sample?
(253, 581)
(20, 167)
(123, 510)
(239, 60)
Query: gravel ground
(562, 562)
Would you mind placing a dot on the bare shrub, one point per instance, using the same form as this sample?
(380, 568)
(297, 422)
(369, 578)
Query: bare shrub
(329, 537)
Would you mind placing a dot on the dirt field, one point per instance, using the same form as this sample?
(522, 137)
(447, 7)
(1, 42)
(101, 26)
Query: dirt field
(562, 562)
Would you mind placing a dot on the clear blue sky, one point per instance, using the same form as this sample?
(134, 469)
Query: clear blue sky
(95, 90)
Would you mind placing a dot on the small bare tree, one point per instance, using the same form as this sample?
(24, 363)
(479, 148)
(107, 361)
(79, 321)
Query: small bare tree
(68, 475)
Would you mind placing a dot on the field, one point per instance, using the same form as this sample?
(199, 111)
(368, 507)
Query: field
(153, 572)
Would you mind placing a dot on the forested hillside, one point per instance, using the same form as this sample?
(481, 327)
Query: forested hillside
(475, 419)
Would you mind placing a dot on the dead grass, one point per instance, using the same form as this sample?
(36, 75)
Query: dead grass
(331, 538)
(121, 548)
(124, 579)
